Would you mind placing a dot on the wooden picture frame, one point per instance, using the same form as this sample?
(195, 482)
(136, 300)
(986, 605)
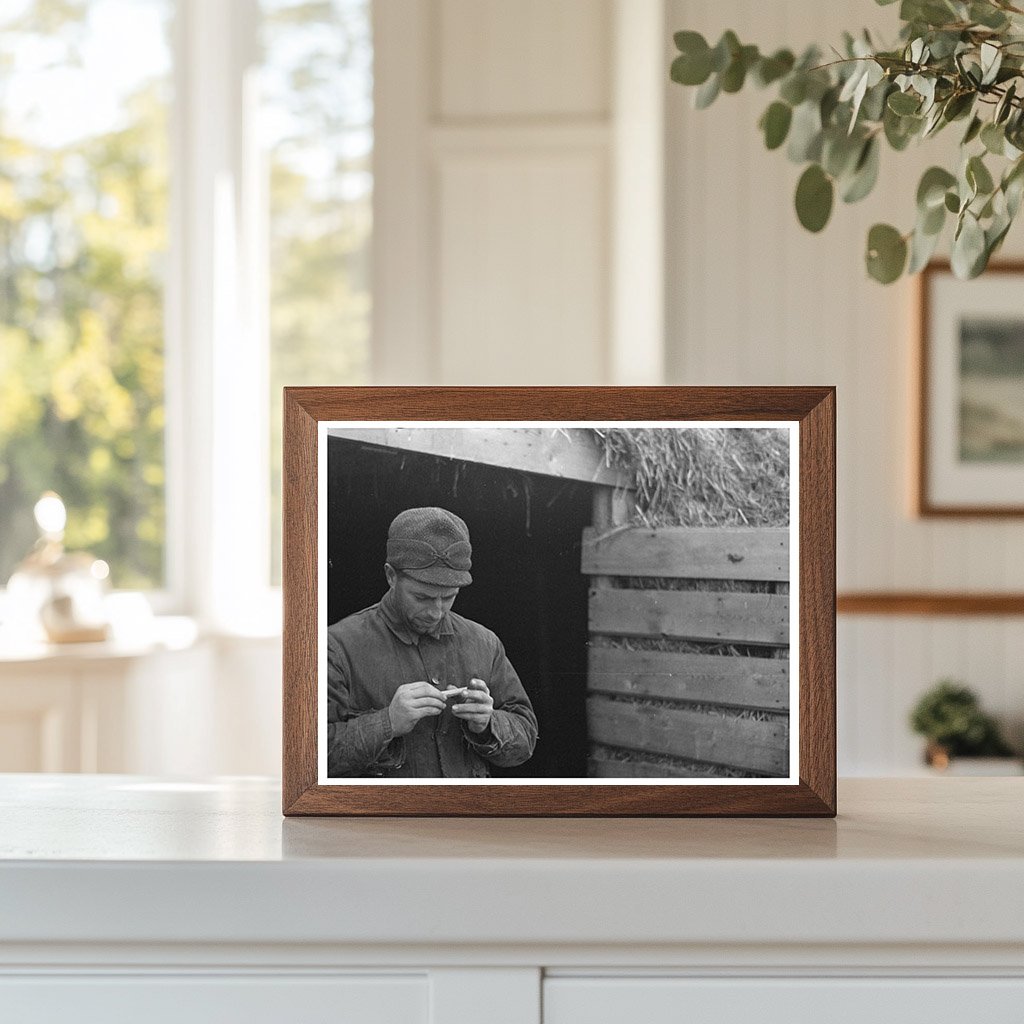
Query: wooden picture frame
(315, 542)
(969, 448)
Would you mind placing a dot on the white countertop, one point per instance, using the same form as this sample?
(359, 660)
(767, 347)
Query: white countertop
(123, 859)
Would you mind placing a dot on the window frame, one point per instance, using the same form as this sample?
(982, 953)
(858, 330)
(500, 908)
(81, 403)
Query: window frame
(217, 349)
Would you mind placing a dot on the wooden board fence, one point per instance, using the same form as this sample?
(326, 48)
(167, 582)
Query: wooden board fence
(656, 706)
(687, 552)
(718, 617)
(760, 683)
(696, 735)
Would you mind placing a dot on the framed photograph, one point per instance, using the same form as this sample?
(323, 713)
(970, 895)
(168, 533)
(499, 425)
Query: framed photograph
(559, 601)
(970, 451)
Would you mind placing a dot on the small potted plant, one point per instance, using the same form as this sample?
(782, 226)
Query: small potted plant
(950, 717)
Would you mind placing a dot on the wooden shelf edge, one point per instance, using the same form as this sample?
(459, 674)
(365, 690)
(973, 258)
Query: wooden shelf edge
(928, 603)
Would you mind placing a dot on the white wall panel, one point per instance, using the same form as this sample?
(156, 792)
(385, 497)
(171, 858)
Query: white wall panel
(752, 298)
(494, 241)
(530, 58)
(522, 292)
(522, 207)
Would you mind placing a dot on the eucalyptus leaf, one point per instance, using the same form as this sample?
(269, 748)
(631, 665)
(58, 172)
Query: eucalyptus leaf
(854, 91)
(987, 15)
(932, 221)
(931, 190)
(973, 129)
(1004, 106)
(725, 49)
(904, 103)
(952, 202)
(978, 176)
(995, 233)
(997, 202)
(958, 105)
(966, 187)
(857, 78)
(865, 174)
(688, 70)
(900, 130)
(944, 44)
(886, 253)
(931, 12)
(809, 59)
(775, 123)
(1013, 187)
(1014, 172)
(690, 42)
(794, 88)
(933, 122)
(925, 88)
(873, 106)
(840, 152)
(814, 195)
(991, 60)
(993, 138)
(805, 133)
(771, 69)
(735, 74)
(708, 92)
(817, 84)
(968, 247)
(1014, 192)
(828, 104)
(922, 248)
(970, 71)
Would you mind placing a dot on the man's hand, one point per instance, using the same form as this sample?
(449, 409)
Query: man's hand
(411, 702)
(476, 708)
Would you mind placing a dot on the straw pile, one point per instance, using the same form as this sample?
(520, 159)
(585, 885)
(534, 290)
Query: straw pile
(705, 476)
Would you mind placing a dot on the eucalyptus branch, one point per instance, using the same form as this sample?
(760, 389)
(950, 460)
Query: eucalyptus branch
(833, 117)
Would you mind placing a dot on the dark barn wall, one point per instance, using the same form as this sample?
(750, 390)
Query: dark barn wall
(527, 585)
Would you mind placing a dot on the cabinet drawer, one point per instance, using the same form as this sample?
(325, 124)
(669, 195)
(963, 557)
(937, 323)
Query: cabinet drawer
(624, 1000)
(202, 999)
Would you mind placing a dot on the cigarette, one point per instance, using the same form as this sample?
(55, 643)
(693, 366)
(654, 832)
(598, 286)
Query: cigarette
(455, 691)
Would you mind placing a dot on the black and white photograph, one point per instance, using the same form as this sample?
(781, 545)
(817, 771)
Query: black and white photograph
(553, 602)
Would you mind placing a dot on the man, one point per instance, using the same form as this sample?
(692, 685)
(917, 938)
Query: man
(414, 690)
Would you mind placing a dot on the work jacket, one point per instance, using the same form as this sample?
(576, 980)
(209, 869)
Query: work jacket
(371, 653)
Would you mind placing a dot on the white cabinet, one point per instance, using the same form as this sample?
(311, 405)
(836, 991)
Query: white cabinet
(133, 898)
(97, 707)
(202, 999)
(823, 1000)
(163, 701)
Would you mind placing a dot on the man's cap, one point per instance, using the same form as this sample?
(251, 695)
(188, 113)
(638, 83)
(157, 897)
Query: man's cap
(432, 546)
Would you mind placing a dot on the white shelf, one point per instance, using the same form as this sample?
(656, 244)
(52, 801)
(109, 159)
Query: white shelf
(122, 859)
(125, 894)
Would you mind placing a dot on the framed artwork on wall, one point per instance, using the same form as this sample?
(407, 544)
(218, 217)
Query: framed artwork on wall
(970, 445)
(559, 601)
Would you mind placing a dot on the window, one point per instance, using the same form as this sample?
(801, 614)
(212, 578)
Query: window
(83, 236)
(185, 220)
(317, 126)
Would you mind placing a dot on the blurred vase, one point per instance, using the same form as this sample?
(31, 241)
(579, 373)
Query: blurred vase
(55, 594)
